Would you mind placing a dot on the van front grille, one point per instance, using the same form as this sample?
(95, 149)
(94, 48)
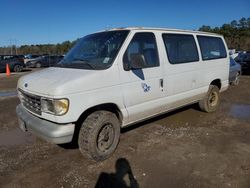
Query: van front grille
(31, 102)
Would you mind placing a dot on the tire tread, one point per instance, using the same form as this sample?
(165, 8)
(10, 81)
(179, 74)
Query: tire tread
(88, 134)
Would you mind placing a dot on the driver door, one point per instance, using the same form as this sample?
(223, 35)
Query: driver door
(142, 88)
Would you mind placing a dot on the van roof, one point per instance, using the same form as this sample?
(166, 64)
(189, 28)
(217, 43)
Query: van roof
(161, 29)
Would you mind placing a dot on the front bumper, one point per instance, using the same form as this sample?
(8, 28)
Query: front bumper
(49, 131)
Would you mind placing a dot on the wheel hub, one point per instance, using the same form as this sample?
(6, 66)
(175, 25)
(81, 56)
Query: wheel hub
(213, 99)
(105, 137)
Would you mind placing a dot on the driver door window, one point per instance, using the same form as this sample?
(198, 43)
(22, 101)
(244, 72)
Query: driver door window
(143, 45)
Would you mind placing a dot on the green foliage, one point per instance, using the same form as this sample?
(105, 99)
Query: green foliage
(40, 49)
(236, 33)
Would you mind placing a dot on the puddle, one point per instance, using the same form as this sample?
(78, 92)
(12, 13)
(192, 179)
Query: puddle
(241, 112)
(15, 137)
(8, 94)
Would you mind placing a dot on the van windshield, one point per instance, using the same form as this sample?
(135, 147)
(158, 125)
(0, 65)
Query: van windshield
(96, 51)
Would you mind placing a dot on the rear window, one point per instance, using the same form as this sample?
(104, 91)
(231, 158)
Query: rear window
(212, 47)
(180, 48)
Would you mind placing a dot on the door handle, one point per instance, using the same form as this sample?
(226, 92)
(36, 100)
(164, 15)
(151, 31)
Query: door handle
(161, 84)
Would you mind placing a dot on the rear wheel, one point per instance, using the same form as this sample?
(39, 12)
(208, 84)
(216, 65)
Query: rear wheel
(211, 101)
(18, 68)
(99, 135)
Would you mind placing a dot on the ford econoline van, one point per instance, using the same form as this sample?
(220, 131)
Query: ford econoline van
(115, 78)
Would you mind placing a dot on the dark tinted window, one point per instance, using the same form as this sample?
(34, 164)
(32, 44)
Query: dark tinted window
(242, 57)
(180, 48)
(143, 44)
(34, 56)
(212, 47)
(52, 57)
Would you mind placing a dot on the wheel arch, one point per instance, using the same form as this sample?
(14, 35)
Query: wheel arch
(216, 82)
(111, 107)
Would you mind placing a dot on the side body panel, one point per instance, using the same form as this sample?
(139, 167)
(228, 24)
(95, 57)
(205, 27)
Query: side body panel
(183, 83)
(141, 89)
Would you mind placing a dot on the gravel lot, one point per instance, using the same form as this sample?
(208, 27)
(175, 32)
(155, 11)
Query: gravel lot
(184, 148)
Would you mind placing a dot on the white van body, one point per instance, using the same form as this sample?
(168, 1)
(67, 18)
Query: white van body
(135, 94)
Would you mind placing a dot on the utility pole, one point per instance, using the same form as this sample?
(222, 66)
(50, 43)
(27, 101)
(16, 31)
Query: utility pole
(10, 47)
(16, 46)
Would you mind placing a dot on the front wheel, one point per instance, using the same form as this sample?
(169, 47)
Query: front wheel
(99, 135)
(211, 101)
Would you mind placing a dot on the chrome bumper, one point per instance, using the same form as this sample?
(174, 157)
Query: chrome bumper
(49, 131)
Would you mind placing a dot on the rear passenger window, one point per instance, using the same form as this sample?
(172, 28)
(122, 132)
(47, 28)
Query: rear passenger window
(142, 44)
(180, 48)
(212, 47)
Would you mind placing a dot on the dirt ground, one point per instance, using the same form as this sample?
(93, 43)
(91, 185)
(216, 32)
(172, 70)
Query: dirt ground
(184, 148)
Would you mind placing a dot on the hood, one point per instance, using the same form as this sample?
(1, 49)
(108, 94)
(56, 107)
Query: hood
(55, 81)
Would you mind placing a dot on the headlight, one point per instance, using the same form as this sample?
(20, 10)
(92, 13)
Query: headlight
(55, 106)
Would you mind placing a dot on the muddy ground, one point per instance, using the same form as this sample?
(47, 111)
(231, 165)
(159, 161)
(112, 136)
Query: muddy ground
(184, 148)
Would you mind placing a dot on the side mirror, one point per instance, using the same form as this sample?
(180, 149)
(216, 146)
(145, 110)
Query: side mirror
(137, 61)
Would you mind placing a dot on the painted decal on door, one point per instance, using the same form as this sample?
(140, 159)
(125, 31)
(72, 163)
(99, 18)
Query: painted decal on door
(145, 87)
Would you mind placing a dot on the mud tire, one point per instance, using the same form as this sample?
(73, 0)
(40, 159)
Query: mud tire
(211, 101)
(90, 133)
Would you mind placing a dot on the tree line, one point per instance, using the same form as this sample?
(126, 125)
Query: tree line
(39, 49)
(236, 33)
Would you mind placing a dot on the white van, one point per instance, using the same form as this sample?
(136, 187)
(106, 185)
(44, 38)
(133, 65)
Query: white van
(115, 78)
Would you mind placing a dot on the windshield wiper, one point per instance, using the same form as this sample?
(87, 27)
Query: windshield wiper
(84, 62)
(80, 59)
